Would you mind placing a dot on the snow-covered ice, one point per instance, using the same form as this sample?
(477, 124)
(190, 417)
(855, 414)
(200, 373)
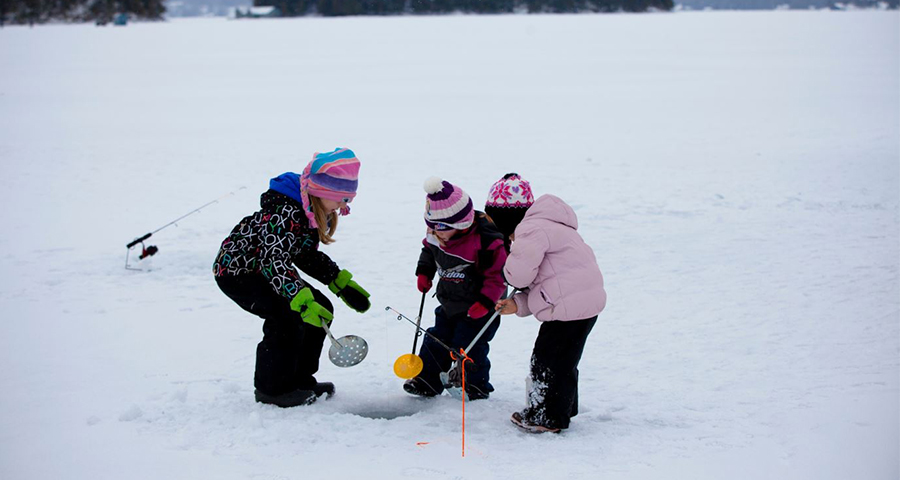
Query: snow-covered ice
(737, 174)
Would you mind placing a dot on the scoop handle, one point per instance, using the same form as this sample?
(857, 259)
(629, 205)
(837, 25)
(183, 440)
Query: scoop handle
(330, 336)
(419, 323)
(488, 324)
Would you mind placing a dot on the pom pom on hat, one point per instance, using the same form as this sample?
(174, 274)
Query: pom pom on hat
(433, 185)
(447, 206)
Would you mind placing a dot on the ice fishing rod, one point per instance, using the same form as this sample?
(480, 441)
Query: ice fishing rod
(401, 316)
(150, 250)
(462, 356)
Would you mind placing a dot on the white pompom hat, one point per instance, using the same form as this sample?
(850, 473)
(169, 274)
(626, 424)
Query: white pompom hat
(447, 206)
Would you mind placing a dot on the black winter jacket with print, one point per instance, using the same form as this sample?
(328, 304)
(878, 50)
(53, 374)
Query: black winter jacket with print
(469, 267)
(273, 240)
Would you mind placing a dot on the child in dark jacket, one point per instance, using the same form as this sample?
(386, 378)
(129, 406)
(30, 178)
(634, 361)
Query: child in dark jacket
(255, 267)
(464, 249)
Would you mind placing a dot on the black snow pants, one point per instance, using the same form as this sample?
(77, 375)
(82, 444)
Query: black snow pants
(288, 355)
(553, 383)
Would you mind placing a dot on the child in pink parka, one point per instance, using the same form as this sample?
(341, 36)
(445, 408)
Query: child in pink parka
(563, 288)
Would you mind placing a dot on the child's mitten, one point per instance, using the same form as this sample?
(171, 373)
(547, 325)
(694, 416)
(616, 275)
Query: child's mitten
(311, 312)
(350, 292)
(477, 310)
(423, 283)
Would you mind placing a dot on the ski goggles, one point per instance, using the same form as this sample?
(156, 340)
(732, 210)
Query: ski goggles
(438, 226)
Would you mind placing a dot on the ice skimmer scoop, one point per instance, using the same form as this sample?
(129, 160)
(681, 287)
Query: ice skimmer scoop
(346, 351)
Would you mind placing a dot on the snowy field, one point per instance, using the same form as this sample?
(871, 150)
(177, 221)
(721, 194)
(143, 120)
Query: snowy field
(737, 174)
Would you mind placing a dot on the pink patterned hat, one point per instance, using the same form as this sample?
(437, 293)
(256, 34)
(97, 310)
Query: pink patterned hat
(509, 199)
(510, 191)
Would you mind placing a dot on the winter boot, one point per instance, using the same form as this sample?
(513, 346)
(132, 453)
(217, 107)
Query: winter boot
(326, 388)
(420, 388)
(476, 393)
(526, 425)
(286, 400)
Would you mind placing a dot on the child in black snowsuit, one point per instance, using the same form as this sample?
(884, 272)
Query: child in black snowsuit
(466, 251)
(255, 268)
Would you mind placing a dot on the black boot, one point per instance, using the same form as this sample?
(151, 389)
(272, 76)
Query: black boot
(477, 393)
(420, 388)
(324, 387)
(287, 400)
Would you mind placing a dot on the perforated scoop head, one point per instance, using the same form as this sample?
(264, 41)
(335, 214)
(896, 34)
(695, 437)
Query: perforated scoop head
(408, 366)
(349, 351)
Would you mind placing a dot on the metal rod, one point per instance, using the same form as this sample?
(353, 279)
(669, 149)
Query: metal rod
(330, 336)
(486, 325)
(401, 316)
(201, 207)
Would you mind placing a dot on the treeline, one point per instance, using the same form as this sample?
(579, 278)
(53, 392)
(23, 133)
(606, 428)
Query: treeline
(291, 8)
(101, 11)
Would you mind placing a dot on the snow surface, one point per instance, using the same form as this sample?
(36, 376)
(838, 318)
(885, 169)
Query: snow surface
(737, 174)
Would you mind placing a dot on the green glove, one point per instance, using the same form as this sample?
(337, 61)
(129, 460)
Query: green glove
(350, 292)
(311, 311)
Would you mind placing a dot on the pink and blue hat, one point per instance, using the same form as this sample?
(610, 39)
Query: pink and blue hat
(332, 175)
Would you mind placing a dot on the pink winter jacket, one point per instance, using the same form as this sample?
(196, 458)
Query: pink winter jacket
(550, 258)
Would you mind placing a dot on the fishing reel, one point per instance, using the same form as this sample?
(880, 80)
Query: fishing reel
(146, 250)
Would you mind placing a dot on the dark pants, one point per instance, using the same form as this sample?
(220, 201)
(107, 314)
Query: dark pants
(457, 332)
(288, 355)
(553, 389)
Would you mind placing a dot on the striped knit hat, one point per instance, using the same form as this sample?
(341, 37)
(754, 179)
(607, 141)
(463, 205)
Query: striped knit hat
(331, 175)
(447, 206)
